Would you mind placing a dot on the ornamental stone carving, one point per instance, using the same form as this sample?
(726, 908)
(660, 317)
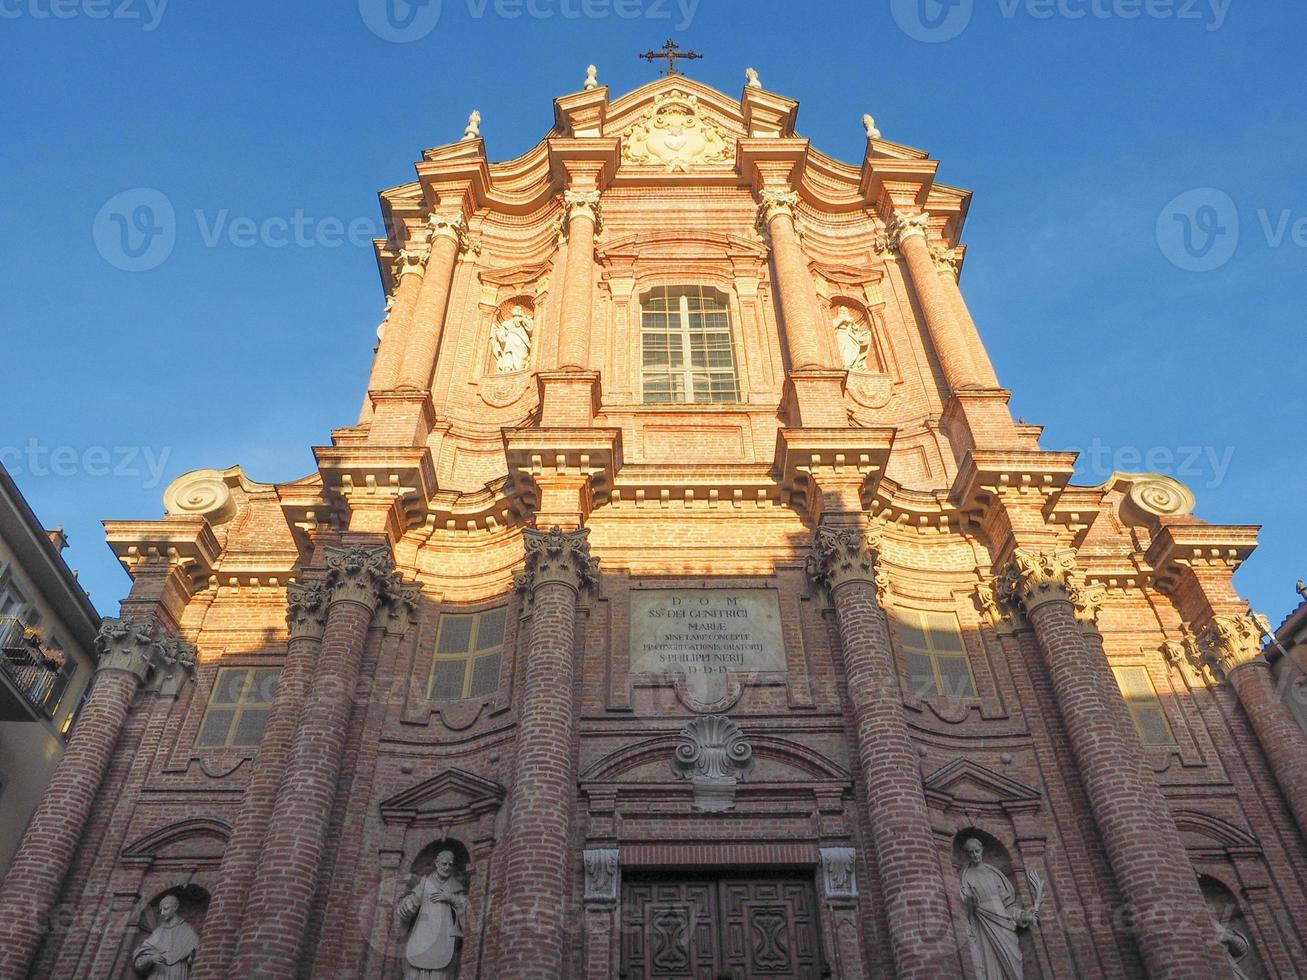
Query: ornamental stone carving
(772, 203)
(447, 226)
(584, 203)
(360, 574)
(591, 77)
(169, 951)
(1231, 642)
(904, 225)
(1188, 657)
(751, 79)
(714, 756)
(845, 554)
(473, 129)
(557, 556)
(1036, 577)
(412, 259)
(1154, 495)
(869, 125)
(602, 874)
(201, 493)
(306, 609)
(1088, 599)
(674, 134)
(510, 341)
(852, 339)
(142, 648)
(839, 872)
(402, 609)
(945, 258)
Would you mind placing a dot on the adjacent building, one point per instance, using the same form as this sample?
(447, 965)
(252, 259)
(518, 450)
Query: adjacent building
(684, 603)
(47, 635)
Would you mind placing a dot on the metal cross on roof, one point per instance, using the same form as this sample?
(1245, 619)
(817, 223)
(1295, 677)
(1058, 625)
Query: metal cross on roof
(670, 51)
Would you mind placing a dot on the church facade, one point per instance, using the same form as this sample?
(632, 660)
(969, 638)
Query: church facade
(685, 603)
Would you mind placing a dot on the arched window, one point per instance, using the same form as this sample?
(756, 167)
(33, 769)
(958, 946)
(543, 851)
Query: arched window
(685, 346)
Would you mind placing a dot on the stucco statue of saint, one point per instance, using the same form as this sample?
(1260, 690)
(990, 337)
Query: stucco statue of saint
(1236, 948)
(510, 341)
(433, 915)
(993, 916)
(169, 951)
(853, 339)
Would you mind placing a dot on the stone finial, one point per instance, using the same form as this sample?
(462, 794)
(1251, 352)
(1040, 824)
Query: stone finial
(365, 575)
(602, 874)
(839, 868)
(306, 609)
(584, 203)
(591, 77)
(845, 554)
(904, 225)
(714, 755)
(142, 648)
(473, 130)
(557, 556)
(1232, 642)
(869, 124)
(751, 79)
(1036, 577)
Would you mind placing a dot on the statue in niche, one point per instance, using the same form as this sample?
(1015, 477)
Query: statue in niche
(510, 341)
(170, 949)
(1236, 947)
(993, 916)
(433, 914)
(853, 337)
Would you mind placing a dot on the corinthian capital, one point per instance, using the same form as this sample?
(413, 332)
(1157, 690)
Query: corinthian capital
(447, 226)
(845, 554)
(141, 648)
(583, 203)
(1232, 642)
(558, 556)
(904, 225)
(1036, 577)
(306, 609)
(360, 574)
(773, 202)
(412, 260)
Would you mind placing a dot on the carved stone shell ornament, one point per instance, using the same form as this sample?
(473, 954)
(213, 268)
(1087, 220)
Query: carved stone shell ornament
(674, 134)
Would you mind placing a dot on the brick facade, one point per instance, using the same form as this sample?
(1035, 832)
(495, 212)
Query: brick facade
(862, 476)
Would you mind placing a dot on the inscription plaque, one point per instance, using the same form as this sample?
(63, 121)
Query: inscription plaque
(706, 635)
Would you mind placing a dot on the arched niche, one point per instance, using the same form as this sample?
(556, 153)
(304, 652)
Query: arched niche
(192, 906)
(1233, 930)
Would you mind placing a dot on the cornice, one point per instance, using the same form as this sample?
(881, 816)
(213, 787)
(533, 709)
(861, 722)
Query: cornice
(1181, 543)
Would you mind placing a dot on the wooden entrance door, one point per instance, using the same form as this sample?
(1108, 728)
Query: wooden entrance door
(741, 927)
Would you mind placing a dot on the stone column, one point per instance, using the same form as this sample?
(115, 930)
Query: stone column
(1234, 643)
(921, 935)
(307, 618)
(1143, 846)
(131, 652)
(950, 337)
(582, 219)
(794, 281)
(538, 866)
(421, 341)
(286, 881)
(410, 269)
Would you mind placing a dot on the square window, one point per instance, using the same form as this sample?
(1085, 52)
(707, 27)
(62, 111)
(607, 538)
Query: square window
(469, 649)
(239, 706)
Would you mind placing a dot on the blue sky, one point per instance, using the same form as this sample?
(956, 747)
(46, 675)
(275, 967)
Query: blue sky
(1085, 127)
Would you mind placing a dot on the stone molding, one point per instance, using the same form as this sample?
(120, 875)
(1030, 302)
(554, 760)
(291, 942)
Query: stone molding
(841, 555)
(584, 203)
(557, 556)
(1232, 642)
(839, 872)
(361, 574)
(140, 647)
(602, 874)
(306, 609)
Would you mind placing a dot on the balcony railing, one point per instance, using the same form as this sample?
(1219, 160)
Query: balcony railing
(26, 666)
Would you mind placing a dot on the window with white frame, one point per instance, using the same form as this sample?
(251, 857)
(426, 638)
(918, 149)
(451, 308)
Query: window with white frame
(686, 353)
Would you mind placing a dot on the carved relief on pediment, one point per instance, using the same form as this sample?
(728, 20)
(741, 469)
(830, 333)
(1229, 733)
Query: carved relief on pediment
(674, 134)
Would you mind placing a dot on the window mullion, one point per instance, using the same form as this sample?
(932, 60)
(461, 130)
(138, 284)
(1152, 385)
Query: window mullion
(687, 371)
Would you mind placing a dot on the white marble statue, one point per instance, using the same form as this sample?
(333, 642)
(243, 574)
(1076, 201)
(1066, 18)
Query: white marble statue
(510, 341)
(433, 914)
(869, 124)
(751, 79)
(993, 916)
(473, 130)
(853, 338)
(170, 949)
(591, 77)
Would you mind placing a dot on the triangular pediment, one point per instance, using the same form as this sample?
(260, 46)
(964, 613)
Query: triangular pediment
(452, 795)
(710, 104)
(967, 785)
